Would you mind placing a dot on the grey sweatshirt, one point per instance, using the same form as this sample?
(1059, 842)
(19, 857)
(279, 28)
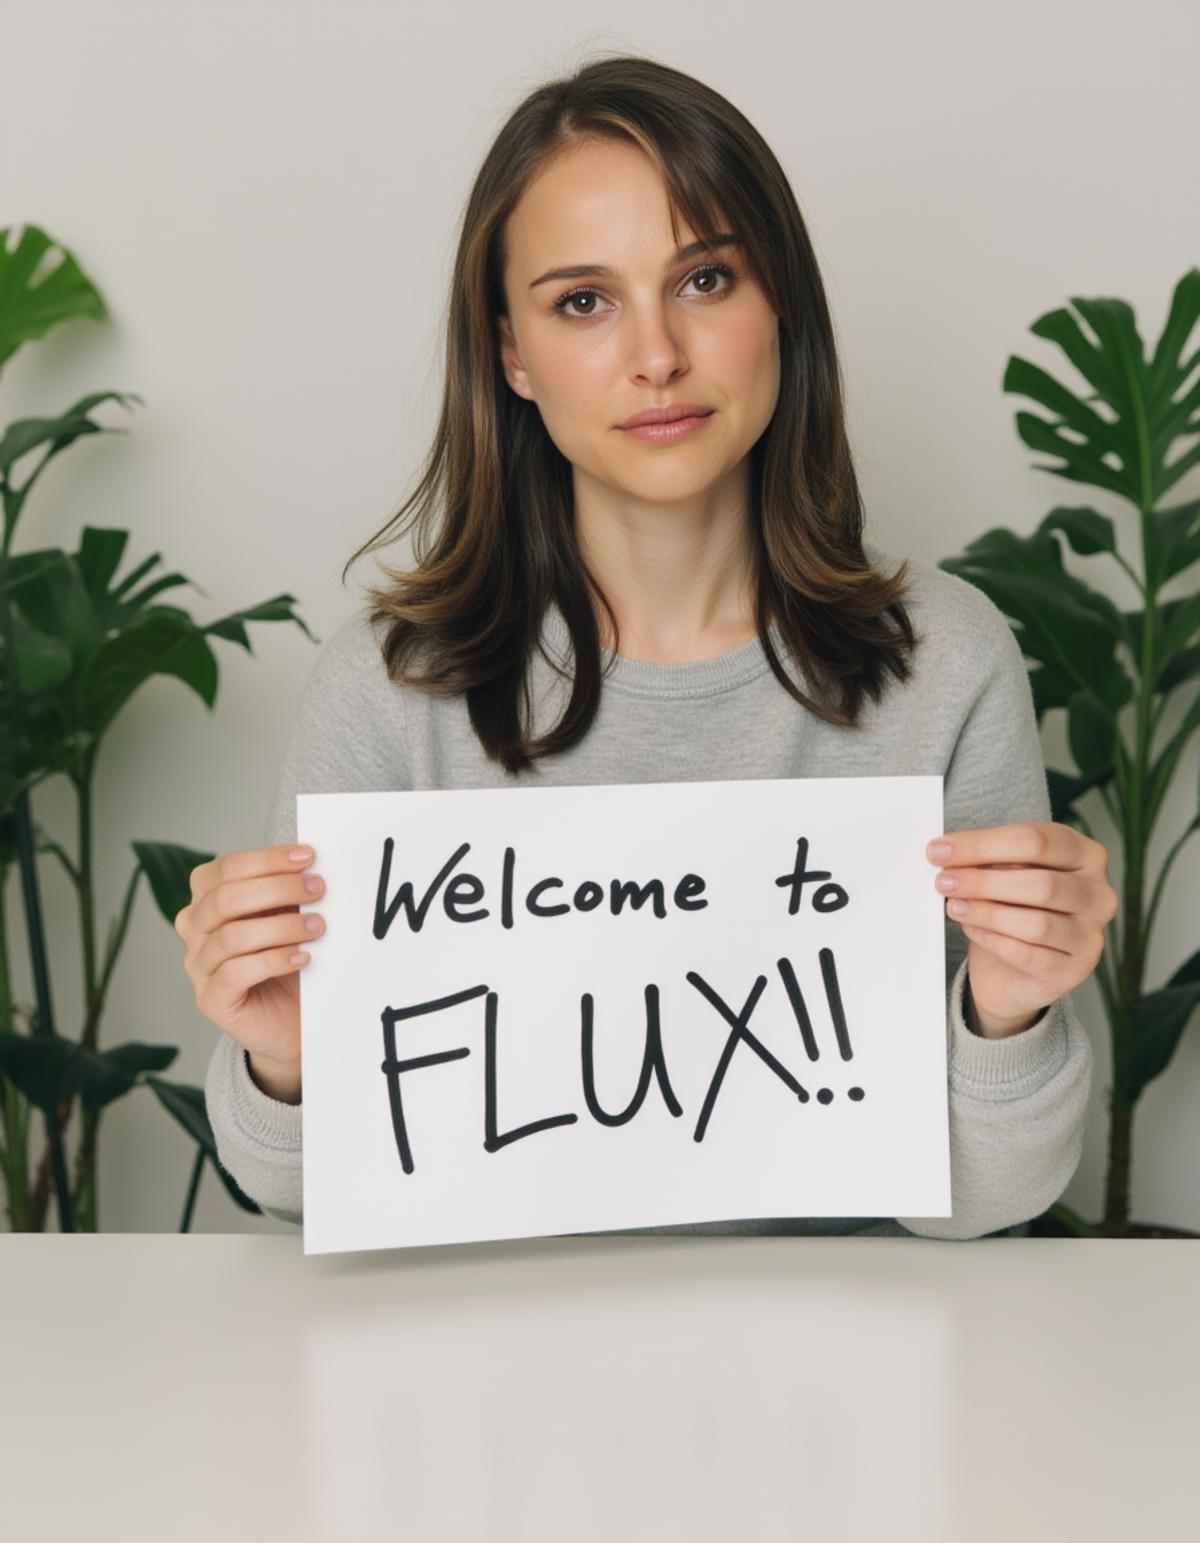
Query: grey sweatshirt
(1017, 1106)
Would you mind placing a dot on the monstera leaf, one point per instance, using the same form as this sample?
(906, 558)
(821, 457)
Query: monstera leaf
(1071, 631)
(1100, 663)
(1087, 652)
(37, 292)
(1125, 449)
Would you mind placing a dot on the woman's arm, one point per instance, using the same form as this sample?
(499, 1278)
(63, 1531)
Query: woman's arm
(335, 744)
(258, 1137)
(1018, 1104)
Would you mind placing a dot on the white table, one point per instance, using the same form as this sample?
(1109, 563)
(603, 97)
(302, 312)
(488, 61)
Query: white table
(211, 1388)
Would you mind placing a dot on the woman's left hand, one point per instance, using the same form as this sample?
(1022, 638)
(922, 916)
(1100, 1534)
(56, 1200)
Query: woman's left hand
(1037, 899)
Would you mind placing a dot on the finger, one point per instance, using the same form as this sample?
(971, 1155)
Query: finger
(247, 865)
(1030, 843)
(1044, 929)
(1042, 964)
(240, 974)
(1048, 888)
(253, 934)
(251, 883)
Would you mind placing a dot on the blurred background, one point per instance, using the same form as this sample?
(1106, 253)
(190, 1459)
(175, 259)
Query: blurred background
(267, 197)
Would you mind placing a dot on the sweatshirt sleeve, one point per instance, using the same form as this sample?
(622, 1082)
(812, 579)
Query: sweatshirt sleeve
(1017, 1105)
(258, 1137)
(330, 748)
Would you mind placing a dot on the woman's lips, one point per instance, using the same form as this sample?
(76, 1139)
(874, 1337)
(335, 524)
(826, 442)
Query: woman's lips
(662, 433)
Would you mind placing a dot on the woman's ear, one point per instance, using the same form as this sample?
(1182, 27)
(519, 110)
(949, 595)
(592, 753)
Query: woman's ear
(510, 359)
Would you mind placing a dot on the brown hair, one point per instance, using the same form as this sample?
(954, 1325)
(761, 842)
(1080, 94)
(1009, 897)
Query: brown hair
(493, 508)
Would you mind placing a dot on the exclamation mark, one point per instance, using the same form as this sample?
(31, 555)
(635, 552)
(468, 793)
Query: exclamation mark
(836, 1011)
(799, 1007)
(833, 996)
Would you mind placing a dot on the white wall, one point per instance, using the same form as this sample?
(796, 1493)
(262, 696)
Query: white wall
(267, 194)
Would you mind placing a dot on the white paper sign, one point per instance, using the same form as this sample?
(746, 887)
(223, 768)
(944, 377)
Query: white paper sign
(546, 1010)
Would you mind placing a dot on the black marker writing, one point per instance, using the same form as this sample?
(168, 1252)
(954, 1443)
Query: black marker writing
(653, 1058)
(493, 1141)
(740, 1031)
(652, 1061)
(467, 888)
(830, 897)
(834, 997)
(796, 997)
(391, 1067)
(385, 910)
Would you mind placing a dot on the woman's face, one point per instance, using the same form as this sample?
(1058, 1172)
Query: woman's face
(652, 331)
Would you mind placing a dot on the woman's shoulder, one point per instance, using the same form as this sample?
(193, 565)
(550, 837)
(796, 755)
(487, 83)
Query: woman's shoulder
(350, 658)
(350, 682)
(953, 617)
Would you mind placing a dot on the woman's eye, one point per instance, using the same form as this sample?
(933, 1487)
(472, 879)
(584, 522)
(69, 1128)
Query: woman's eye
(720, 270)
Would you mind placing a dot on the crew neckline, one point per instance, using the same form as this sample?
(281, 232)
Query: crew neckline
(646, 677)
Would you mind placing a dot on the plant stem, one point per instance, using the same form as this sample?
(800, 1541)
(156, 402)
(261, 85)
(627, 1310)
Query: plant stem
(85, 1166)
(1135, 941)
(1156, 893)
(7, 1015)
(118, 934)
(87, 900)
(193, 1187)
(94, 992)
(39, 1195)
(1120, 1153)
(43, 1012)
(8, 1093)
(86, 1199)
(16, 1156)
(1113, 805)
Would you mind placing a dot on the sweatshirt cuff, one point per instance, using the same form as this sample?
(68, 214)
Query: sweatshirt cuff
(1003, 1068)
(267, 1121)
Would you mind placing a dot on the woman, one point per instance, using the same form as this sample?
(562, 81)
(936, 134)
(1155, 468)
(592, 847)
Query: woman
(594, 600)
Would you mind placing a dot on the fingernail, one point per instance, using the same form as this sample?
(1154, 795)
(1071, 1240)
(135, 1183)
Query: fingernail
(300, 854)
(939, 851)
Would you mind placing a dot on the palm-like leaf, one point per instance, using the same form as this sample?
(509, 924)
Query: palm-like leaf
(186, 1104)
(83, 644)
(75, 644)
(1091, 658)
(27, 309)
(1125, 448)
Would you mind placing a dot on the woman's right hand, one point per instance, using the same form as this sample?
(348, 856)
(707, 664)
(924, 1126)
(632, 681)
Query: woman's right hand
(242, 931)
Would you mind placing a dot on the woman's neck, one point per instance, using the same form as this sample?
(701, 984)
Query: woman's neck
(680, 591)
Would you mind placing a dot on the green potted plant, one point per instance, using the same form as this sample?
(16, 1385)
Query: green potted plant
(76, 642)
(1115, 672)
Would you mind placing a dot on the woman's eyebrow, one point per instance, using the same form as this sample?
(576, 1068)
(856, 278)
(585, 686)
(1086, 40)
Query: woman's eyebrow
(598, 271)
